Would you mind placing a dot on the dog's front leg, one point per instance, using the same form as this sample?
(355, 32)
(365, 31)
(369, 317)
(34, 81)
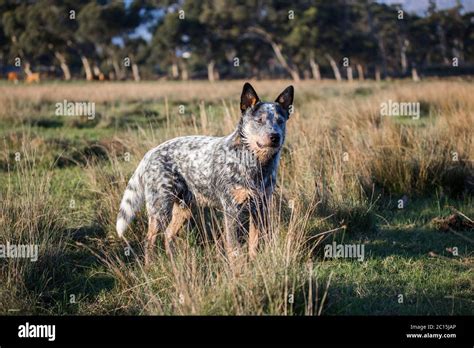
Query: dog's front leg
(254, 233)
(258, 224)
(232, 225)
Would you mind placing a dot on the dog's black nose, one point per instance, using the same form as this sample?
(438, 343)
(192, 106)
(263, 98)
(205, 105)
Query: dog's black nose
(275, 138)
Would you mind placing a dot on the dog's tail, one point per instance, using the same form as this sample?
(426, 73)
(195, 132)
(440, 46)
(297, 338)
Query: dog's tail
(131, 201)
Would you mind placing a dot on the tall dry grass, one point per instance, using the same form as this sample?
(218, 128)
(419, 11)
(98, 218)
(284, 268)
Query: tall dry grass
(340, 158)
(200, 280)
(30, 215)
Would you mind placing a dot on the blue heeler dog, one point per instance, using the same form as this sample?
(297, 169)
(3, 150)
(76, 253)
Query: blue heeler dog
(236, 173)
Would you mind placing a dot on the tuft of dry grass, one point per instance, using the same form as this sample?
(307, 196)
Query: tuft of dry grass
(30, 215)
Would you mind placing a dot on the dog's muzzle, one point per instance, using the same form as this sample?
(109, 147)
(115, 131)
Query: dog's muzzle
(272, 141)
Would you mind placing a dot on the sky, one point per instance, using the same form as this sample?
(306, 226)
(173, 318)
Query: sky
(420, 6)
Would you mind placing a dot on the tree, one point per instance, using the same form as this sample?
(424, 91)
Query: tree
(99, 24)
(14, 22)
(232, 38)
(167, 42)
(329, 43)
(303, 39)
(271, 22)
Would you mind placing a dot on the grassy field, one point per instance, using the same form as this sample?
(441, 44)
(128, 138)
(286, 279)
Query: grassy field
(343, 173)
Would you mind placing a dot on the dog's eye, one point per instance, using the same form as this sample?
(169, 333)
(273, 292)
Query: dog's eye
(280, 121)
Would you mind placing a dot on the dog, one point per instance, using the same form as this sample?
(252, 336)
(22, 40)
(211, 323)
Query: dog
(236, 173)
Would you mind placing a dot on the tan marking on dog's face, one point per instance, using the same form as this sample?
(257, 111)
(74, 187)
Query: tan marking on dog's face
(241, 194)
(263, 154)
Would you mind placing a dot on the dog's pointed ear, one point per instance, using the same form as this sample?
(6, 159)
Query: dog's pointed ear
(248, 98)
(285, 99)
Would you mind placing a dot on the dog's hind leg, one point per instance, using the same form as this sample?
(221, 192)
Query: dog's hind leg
(151, 238)
(181, 213)
(159, 216)
(167, 200)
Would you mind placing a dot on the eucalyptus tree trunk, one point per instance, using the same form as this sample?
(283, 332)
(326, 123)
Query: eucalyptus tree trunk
(87, 68)
(210, 71)
(136, 72)
(285, 63)
(414, 75)
(377, 73)
(174, 70)
(350, 77)
(118, 71)
(315, 69)
(360, 72)
(184, 72)
(63, 64)
(27, 69)
(334, 67)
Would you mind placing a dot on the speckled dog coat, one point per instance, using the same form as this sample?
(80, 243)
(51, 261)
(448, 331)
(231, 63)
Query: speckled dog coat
(235, 173)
